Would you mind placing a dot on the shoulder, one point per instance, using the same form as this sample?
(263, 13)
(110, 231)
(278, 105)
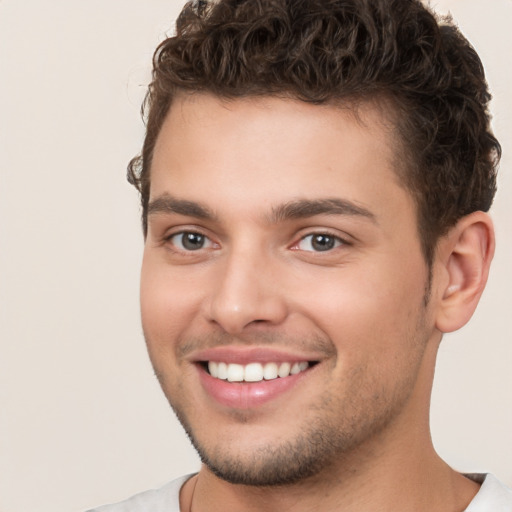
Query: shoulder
(493, 495)
(163, 499)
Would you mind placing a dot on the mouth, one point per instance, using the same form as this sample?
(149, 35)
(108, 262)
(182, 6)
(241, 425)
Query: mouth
(245, 386)
(255, 371)
(249, 377)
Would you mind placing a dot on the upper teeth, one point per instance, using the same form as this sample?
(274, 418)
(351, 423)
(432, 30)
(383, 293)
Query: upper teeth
(254, 372)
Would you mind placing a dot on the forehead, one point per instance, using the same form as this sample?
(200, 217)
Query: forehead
(262, 152)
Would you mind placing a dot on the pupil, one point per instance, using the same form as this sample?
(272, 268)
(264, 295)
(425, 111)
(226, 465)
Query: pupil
(322, 242)
(192, 241)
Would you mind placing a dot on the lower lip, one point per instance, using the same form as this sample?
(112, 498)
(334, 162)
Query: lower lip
(246, 395)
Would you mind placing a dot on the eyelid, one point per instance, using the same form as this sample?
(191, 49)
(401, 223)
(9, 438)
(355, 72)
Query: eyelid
(167, 238)
(340, 240)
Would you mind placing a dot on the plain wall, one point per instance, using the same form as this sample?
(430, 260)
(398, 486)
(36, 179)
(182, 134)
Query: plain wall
(82, 419)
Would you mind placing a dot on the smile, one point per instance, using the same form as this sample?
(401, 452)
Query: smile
(255, 372)
(247, 377)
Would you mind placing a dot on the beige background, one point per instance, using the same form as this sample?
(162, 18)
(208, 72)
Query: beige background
(82, 420)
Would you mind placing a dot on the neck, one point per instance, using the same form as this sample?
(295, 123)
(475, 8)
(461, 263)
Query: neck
(396, 470)
(421, 482)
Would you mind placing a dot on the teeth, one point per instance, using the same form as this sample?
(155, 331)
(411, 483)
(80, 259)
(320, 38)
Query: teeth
(222, 370)
(284, 369)
(295, 369)
(213, 368)
(254, 372)
(270, 371)
(235, 373)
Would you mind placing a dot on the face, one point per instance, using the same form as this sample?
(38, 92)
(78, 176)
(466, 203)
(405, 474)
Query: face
(283, 285)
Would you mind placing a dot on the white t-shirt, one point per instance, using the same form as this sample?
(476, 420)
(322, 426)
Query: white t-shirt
(164, 499)
(493, 496)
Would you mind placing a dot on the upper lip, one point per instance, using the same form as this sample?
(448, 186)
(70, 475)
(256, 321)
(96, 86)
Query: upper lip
(246, 355)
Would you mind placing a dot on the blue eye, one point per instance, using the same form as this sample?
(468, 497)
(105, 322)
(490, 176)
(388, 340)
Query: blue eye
(190, 241)
(319, 242)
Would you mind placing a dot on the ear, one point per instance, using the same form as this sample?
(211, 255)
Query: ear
(465, 255)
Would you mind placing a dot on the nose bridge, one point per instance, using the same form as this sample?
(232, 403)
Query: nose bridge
(246, 290)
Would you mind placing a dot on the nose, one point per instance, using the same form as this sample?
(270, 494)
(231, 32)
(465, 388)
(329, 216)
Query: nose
(246, 292)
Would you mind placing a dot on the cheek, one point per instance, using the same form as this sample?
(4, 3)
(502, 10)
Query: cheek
(167, 303)
(372, 311)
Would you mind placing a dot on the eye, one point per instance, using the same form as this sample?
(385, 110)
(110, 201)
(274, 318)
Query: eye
(319, 242)
(190, 241)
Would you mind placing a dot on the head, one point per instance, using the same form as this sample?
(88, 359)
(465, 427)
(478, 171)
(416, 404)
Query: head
(420, 69)
(311, 179)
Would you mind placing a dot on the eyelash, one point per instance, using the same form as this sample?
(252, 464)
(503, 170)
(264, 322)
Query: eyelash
(337, 241)
(189, 233)
(333, 241)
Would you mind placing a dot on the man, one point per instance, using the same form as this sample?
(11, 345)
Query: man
(314, 181)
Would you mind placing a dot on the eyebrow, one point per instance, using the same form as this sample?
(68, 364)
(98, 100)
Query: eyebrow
(297, 209)
(303, 208)
(168, 204)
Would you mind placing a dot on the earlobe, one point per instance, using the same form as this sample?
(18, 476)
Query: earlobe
(467, 252)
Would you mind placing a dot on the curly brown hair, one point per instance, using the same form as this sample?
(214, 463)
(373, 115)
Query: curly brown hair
(348, 51)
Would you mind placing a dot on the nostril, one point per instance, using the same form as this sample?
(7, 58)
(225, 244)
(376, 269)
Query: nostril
(237, 306)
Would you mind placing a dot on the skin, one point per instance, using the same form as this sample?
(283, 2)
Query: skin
(228, 170)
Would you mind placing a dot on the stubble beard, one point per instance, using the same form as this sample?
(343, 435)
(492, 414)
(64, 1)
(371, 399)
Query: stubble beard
(326, 441)
(291, 461)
